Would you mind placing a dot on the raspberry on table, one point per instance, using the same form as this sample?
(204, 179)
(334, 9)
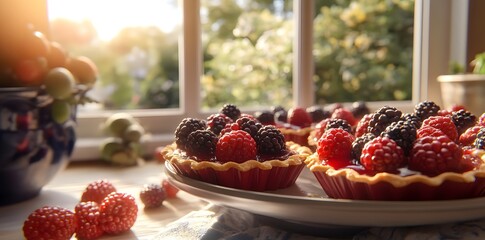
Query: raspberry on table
(298, 116)
(445, 124)
(317, 113)
(170, 190)
(463, 120)
(335, 146)
(342, 113)
(426, 109)
(358, 144)
(50, 222)
(338, 123)
(403, 133)
(382, 154)
(153, 195)
(216, 122)
(435, 155)
(231, 110)
(382, 118)
(96, 191)
(469, 161)
(87, 216)
(201, 144)
(429, 131)
(118, 213)
(270, 140)
(185, 127)
(236, 146)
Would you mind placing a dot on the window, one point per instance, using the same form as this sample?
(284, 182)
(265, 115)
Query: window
(431, 48)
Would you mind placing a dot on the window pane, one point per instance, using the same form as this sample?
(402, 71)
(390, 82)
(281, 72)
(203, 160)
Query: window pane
(247, 49)
(134, 44)
(363, 50)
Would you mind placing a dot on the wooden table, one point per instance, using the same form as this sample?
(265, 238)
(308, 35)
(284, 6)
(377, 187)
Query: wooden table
(67, 186)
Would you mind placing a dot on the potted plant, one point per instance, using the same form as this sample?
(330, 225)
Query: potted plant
(463, 88)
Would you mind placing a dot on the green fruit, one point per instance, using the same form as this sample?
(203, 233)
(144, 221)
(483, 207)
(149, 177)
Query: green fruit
(124, 158)
(60, 111)
(133, 133)
(109, 147)
(117, 123)
(59, 83)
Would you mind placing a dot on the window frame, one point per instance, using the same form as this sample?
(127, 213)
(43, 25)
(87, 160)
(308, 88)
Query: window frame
(432, 47)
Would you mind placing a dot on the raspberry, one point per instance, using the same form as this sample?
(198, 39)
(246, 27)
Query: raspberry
(429, 131)
(153, 195)
(236, 146)
(87, 216)
(338, 123)
(382, 154)
(298, 116)
(445, 124)
(362, 125)
(480, 140)
(48, 222)
(469, 136)
(481, 120)
(270, 140)
(358, 145)
(317, 113)
(321, 127)
(118, 213)
(216, 122)
(342, 113)
(229, 128)
(426, 109)
(412, 118)
(457, 107)
(170, 190)
(435, 155)
(359, 109)
(185, 127)
(382, 118)
(249, 125)
(96, 191)
(463, 120)
(201, 144)
(231, 110)
(335, 145)
(403, 133)
(265, 117)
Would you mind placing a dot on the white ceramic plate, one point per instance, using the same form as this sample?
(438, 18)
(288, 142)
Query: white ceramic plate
(306, 203)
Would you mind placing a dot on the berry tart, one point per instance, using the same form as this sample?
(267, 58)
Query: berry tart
(429, 154)
(235, 151)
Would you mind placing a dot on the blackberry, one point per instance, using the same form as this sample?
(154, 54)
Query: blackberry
(426, 109)
(338, 123)
(185, 127)
(358, 145)
(463, 120)
(201, 144)
(270, 140)
(317, 113)
(249, 125)
(382, 118)
(216, 122)
(231, 110)
(276, 109)
(265, 117)
(359, 109)
(403, 133)
(412, 118)
(480, 140)
(281, 116)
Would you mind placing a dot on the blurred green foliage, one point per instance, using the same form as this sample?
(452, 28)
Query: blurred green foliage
(362, 51)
